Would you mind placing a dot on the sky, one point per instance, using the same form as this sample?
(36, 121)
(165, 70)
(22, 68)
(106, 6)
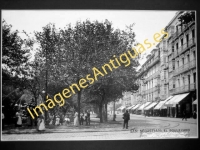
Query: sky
(147, 23)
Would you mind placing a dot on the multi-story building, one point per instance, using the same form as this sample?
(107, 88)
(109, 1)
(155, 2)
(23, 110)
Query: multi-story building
(149, 81)
(182, 60)
(170, 69)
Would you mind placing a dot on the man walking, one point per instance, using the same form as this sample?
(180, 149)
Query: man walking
(126, 117)
(184, 115)
(88, 117)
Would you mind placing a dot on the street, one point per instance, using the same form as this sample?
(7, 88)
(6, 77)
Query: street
(114, 131)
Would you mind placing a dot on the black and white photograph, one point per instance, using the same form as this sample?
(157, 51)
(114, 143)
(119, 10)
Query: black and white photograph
(90, 75)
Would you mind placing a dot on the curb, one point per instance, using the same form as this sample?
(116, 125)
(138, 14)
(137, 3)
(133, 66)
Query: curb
(36, 132)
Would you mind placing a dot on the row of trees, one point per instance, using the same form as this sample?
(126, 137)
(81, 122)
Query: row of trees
(63, 56)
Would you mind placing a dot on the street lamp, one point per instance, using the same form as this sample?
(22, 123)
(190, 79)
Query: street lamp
(45, 94)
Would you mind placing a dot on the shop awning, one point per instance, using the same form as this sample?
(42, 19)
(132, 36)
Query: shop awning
(120, 108)
(150, 106)
(175, 100)
(136, 106)
(161, 103)
(130, 107)
(144, 105)
(195, 102)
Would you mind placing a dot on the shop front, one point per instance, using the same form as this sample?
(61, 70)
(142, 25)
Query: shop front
(177, 104)
(149, 109)
(160, 109)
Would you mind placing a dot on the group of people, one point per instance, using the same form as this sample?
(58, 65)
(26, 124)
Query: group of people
(83, 117)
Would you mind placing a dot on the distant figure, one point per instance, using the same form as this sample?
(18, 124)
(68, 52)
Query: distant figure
(184, 115)
(41, 124)
(126, 117)
(67, 120)
(2, 117)
(76, 119)
(86, 120)
(88, 117)
(194, 115)
(57, 121)
(81, 119)
(19, 119)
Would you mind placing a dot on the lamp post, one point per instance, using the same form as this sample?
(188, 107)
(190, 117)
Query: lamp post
(45, 94)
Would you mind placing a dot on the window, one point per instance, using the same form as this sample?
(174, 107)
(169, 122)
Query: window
(187, 39)
(177, 63)
(188, 58)
(176, 46)
(183, 60)
(188, 79)
(172, 48)
(173, 85)
(194, 76)
(193, 34)
(183, 81)
(194, 55)
(178, 82)
(181, 42)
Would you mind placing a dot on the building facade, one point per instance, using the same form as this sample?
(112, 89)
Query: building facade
(170, 69)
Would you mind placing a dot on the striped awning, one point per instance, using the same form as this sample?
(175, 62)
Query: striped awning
(161, 103)
(176, 99)
(130, 107)
(136, 106)
(144, 105)
(150, 106)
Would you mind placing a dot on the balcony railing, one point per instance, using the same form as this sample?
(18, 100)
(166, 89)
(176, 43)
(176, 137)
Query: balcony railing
(185, 88)
(185, 67)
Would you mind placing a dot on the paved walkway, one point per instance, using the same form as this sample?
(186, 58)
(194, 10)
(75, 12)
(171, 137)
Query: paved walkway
(95, 126)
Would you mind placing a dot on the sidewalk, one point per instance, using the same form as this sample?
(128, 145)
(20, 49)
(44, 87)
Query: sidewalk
(189, 120)
(95, 126)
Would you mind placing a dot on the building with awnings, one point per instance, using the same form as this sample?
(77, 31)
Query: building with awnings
(133, 110)
(149, 109)
(120, 109)
(140, 110)
(171, 69)
(177, 104)
(160, 109)
(129, 108)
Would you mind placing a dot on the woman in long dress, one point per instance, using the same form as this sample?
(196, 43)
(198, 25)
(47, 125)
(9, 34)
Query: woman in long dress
(41, 124)
(76, 119)
(19, 119)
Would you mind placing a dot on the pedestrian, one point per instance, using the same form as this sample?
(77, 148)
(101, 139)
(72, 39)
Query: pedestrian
(3, 118)
(184, 115)
(67, 120)
(19, 119)
(194, 115)
(126, 117)
(86, 120)
(57, 121)
(41, 124)
(81, 119)
(88, 117)
(76, 119)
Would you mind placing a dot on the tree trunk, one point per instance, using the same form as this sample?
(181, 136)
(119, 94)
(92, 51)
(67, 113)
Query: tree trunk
(100, 112)
(114, 111)
(79, 105)
(106, 115)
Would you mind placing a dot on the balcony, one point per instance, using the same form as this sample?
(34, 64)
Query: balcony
(185, 67)
(185, 88)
